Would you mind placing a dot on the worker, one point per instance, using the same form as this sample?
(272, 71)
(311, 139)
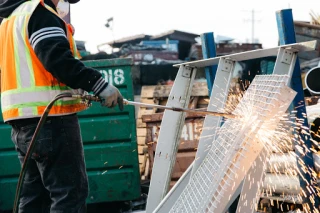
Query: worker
(38, 60)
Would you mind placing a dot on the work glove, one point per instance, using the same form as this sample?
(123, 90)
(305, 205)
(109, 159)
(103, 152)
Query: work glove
(111, 96)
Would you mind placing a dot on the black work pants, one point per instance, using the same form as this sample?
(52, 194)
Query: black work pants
(56, 179)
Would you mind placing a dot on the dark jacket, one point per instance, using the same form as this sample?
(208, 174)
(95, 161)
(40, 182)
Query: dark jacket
(54, 51)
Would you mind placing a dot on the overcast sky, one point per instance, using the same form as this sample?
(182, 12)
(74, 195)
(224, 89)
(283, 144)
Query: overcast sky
(228, 18)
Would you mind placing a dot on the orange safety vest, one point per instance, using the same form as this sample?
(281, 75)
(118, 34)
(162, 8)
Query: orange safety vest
(26, 86)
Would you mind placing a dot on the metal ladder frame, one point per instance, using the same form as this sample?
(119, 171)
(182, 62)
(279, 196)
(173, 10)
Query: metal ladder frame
(159, 185)
(169, 136)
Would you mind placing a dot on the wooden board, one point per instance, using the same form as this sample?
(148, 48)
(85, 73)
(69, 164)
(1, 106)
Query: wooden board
(142, 163)
(142, 150)
(144, 111)
(190, 132)
(141, 132)
(140, 123)
(161, 91)
(149, 100)
(141, 140)
(184, 159)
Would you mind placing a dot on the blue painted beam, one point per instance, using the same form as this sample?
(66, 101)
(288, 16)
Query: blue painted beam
(209, 51)
(287, 36)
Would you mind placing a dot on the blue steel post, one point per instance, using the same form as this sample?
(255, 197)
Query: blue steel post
(287, 36)
(209, 51)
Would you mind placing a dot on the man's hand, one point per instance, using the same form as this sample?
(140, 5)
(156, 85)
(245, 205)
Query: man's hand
(111, 96)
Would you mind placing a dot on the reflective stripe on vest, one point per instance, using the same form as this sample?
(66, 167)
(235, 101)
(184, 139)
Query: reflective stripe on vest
(26, 87)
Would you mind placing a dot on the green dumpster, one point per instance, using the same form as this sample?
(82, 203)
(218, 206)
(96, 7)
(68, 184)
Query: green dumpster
(110, 146)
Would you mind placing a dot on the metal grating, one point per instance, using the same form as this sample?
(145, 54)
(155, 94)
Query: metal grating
(263, 104)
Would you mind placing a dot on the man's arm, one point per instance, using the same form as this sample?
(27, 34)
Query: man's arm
(47, 36)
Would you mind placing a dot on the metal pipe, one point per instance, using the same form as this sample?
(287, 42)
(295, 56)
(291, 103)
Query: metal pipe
(177, 109)
(312, 81)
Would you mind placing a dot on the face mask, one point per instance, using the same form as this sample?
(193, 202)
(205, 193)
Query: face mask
(63, 8)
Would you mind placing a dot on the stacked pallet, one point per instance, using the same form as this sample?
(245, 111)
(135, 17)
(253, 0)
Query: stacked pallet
(146, 97)
(149, 121)
(141, 138)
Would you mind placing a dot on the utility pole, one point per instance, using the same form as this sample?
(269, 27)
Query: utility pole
(252, 20)
(252, 26)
